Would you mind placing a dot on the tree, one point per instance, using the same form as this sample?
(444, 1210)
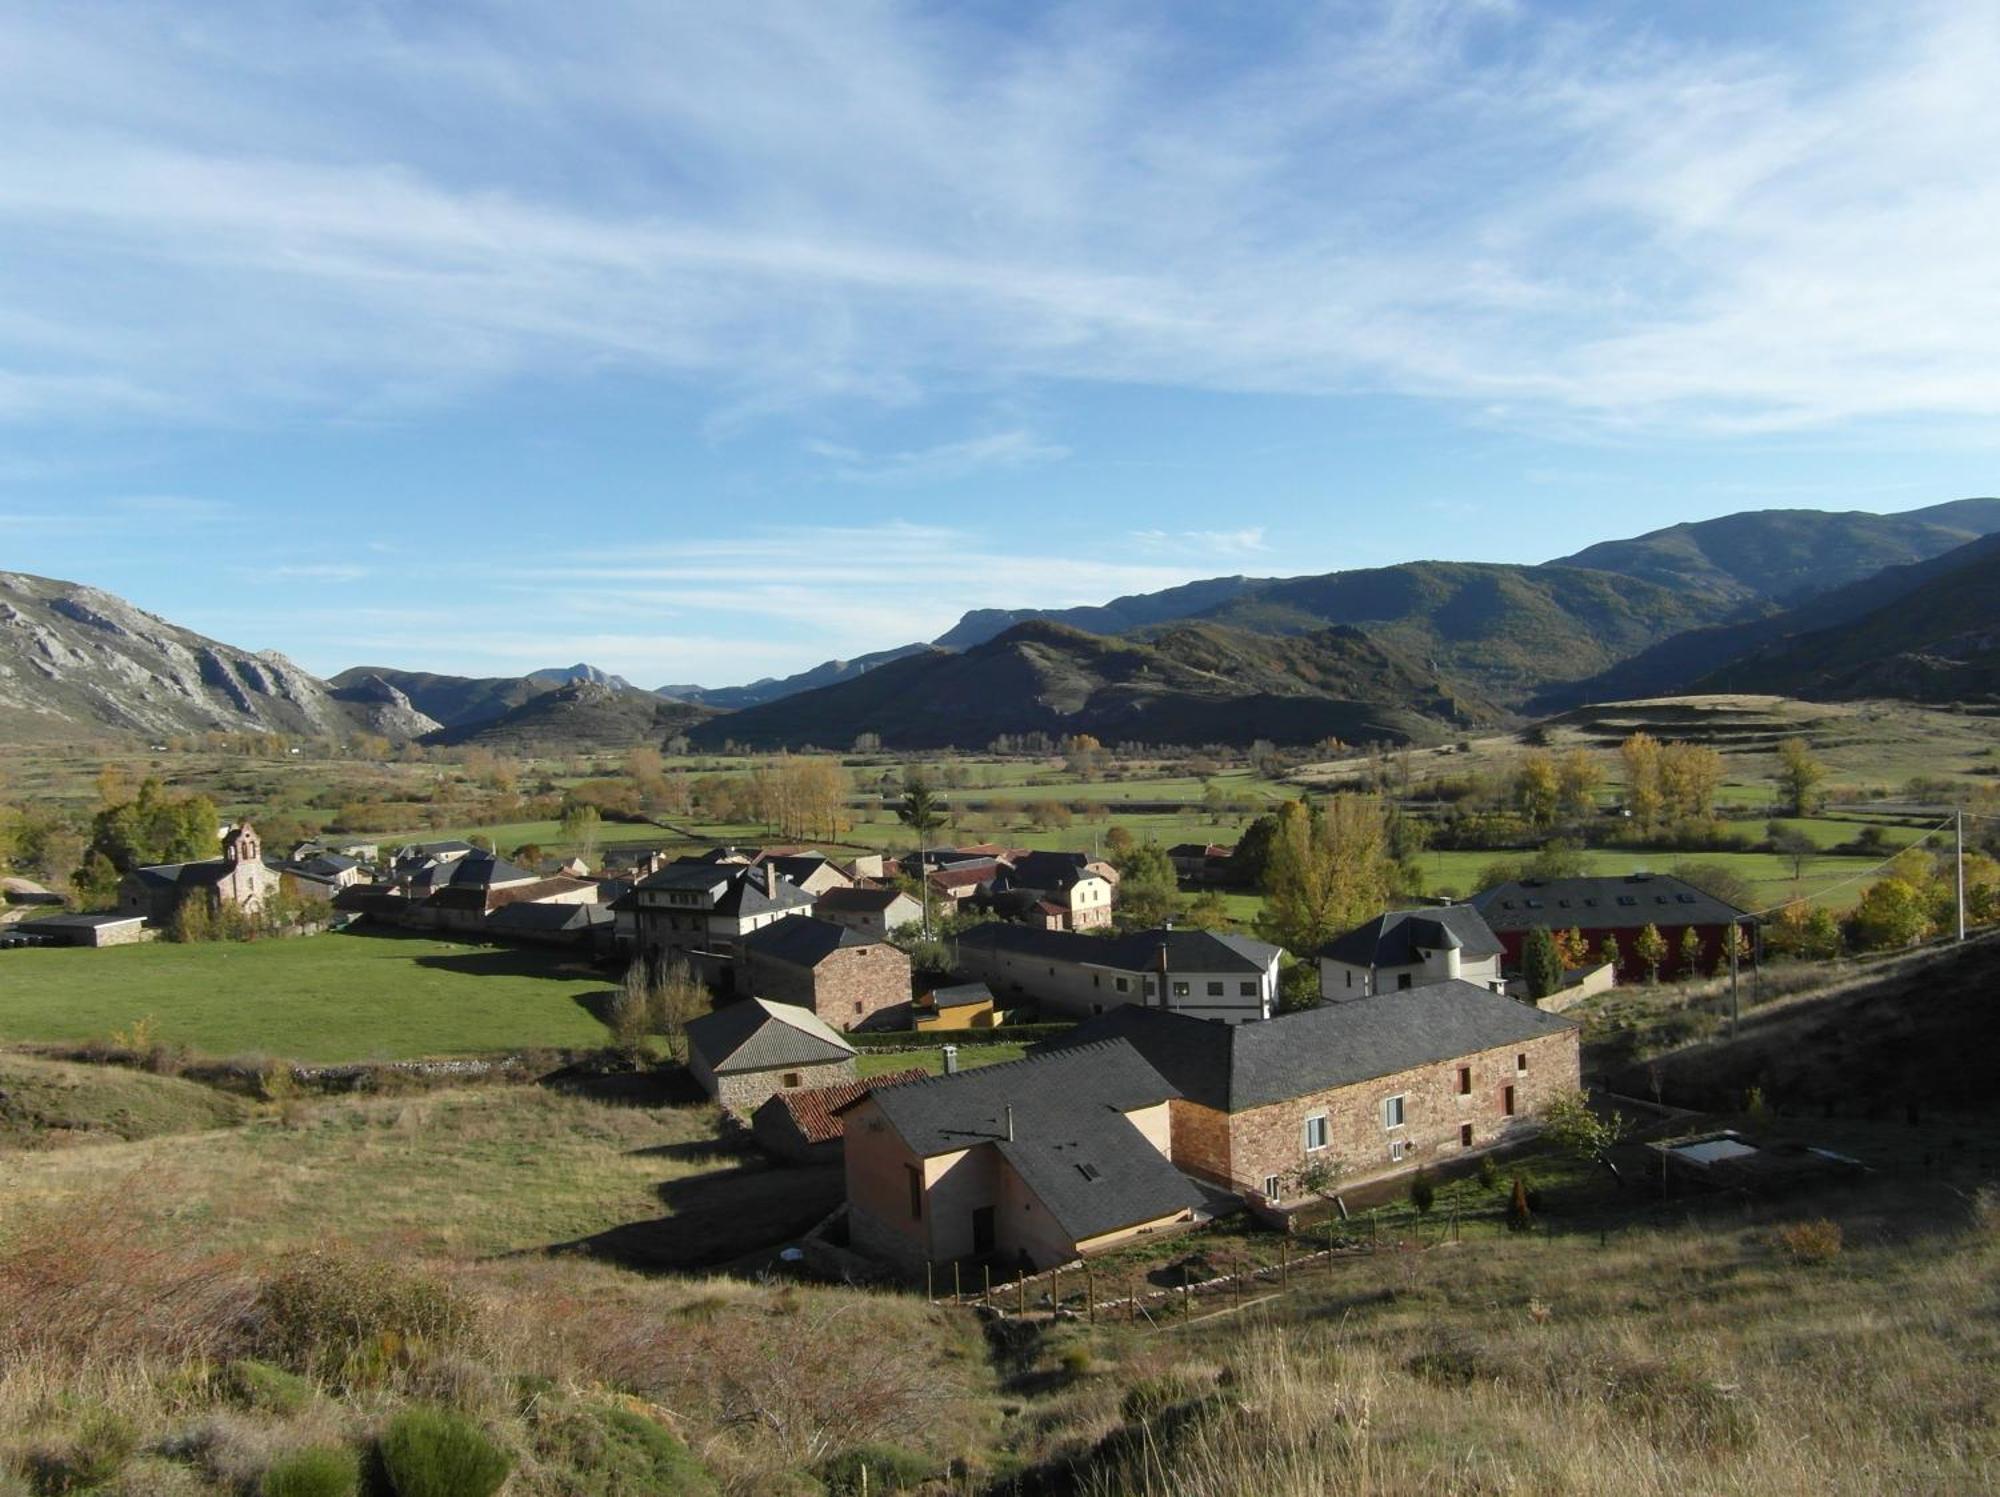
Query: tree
(1118, 842)
(1578, 774)
(95, 883)
(1083, 755)
(1792, 843)
(1537, 789)
(673, 997)
(1799, 775)
(1209, 911)
(922, 811)
(1641, 756)
(580, 826)
(1608, 953)
(1690, 774)
(1717, 881)
(1572, 948)
(1691, 950)
(1329, 870)
(1148, 892)
(1650, 947)
(1250, 859)
(1893, 912)
(1541, 963)
(1569, 1123)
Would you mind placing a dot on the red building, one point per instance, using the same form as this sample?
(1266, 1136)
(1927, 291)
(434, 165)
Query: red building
(1616, 909)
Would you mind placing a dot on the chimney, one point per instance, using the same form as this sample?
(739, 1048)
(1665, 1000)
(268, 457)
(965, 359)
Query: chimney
(1010, 1122)
(770, 881)
(1165, 933)
(950, 1054)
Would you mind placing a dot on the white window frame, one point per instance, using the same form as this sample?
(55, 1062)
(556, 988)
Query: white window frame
(1273, 1184)
(1325, 1132)
(1398, 1149)
(1401, 1102)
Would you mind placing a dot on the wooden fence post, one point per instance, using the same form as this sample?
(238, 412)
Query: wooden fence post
(1090, 1293)
(930, 1289)
(987, 1270)
(957, 1292)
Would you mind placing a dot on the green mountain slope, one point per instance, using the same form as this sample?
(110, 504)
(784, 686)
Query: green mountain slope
(1784, 553)
(1201, 683)
(453, 701)
(1938, 641)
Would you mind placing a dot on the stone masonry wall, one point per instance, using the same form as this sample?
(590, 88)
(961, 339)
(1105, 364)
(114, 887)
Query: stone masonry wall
(743, 1092)
(1271, 1140)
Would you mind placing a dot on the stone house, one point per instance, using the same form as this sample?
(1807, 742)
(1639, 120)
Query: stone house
(1053, 890)
(813, 872)
(841, 975)
(807, 1126)
(878, 913)
(1615, 910)
(749, 1050)
(1034, 1161)
(1411, 949)
(1207, 973)
(1369, 1088)
(239, 878)
(87, 930)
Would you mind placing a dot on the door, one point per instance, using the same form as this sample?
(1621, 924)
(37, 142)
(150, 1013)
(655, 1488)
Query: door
(982, 1231)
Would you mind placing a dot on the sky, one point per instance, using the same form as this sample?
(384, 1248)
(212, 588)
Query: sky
(705, 342)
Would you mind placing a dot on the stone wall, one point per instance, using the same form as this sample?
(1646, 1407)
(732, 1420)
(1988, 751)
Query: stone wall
(847, 989)
(743, 1092)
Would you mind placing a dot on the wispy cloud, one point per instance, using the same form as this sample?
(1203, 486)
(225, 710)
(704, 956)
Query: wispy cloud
(1598, 224)
(1214, 545)
(942, 462)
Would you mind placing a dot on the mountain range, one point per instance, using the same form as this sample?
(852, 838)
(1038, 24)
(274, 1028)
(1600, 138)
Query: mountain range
(1805, 602)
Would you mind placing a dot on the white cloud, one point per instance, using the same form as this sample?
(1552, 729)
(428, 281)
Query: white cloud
(941, 462)
(1589, 225)
(1215, 545)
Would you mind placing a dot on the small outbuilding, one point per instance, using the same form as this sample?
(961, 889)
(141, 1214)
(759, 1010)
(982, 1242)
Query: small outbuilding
(754, 1048)
(806, 1126)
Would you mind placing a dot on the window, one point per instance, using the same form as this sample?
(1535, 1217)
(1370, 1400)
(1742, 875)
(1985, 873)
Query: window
(1397, 1149)
(857, 1008)
(1465, 1081)
(1521, 1064)
(1096, 981)
(1123, 984)
(1465, 1135)
(1315, 1132)
(915, 1177)
(792, 1079)
(1350, 977)
(1402, 980)
(1392, 1111)
(1181, 990)
(1215, 990)
(1271, 1188)
(1246, 990)
(1507, 1100)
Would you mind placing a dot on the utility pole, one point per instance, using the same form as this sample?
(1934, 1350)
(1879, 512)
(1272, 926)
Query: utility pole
(1958, 870)
(1735, 1007)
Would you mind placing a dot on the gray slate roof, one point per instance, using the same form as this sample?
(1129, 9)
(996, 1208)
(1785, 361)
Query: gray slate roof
(759, 1035)
(1072, 1144)
(1187, 950)
(960, 994)
(801, 940)
(76, 922)
(183, 875)
(735, 888)
(525, 916)
(872, 901)
(1235, 1067)
(1635, 900)
(1396, 938)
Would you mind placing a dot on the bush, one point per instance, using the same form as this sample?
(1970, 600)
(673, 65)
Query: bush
(890, 1469)
(1812, 1242)
(316, 1471)
(268, 1389)
(436, 1453)
(1489, 1171)
(1520, 1213)
(1423, 1192)
(347, 1320)
(1077, 1360)
(97, 1452)
(1152, 1396)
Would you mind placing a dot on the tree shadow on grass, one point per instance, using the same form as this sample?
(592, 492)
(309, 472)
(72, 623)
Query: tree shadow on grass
(715, 1219)
(504, 961)
(667, 1086)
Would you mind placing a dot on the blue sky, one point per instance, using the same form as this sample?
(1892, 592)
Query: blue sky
(711, 341)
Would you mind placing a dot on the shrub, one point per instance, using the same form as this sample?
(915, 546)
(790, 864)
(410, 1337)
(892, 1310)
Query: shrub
(436, 1453)
(1077, 1360)
(1423, 1192)
(1152, 1396)
(1810, 1242)
(1489, 1171)
(890, 1468)
(605, 1452)
(316, 1471)
(97, 1452)
(348, 1320)
(268, 1389)
(1519, 1214)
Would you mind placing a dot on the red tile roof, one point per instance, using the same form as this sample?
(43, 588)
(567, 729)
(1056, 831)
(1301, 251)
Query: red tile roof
(814, 1109)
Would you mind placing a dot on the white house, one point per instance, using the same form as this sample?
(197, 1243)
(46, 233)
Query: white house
(1411, 949)
(1211, 975)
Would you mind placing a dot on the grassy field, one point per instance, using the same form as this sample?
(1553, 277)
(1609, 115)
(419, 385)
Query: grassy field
(319, 998)
(52, 1103)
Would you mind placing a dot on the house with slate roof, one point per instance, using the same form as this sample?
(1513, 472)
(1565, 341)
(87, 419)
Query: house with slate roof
(1411, 949)
(1034, 1161)
(239, 877)
(807, 1126)
(873, 912)
(846, 978)
(1615, 910)
(746, 1051)
(699, 907)
(1054, 890)
(1211, 974)
(1369, 1088)
(813, 872)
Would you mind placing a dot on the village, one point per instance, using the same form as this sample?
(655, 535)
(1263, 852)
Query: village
(1165, 1076)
